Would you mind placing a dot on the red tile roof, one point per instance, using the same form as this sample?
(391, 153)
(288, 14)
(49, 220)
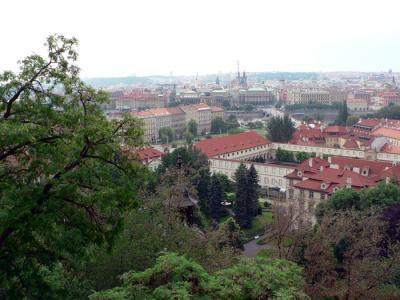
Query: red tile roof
(351, 144)
(368, 122)
(375, 167)
(149, 154)
(387, 132)
(334, 178)
(392, 149)
(309, 167)
(336, 129)
(231, 143)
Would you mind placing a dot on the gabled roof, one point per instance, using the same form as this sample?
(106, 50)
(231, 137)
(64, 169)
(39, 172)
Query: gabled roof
(392, 149)
(336, 129)
(387, 132)
(375, 167)
(149, 153)
(371, 122)
(231, 143)
(334, 178)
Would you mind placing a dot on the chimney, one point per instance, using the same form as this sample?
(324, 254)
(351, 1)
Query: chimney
(321, 168)
(329, 159)
(348, 182)
(310, 161)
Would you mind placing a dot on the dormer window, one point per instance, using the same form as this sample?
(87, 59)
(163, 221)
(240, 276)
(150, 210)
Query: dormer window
(323, 186)
(335, 189)
(299, 173)
(364, 172)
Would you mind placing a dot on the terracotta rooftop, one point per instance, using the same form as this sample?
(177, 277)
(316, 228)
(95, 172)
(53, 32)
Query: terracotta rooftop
(336, 129)
(392, 149)
(387, 132)
(149, 154)
(231, 143)
(368, 122)
(374, 166)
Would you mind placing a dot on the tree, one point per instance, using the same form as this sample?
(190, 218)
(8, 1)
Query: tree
(391, 112)
(241, 206)
(176, 277)
(383, 195)
(252, 190)
(192, 127)
(284, 155)
(343, 114)
(302, 156)
(203, 182)
(230, 235)
(166, 134)
(218, 125)
(216, 197)
(280, 129)
(65, 181)
(232, 122)
(342, 258)
(351, 120)
(188, 138)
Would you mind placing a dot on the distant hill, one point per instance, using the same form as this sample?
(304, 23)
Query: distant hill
(111, 81)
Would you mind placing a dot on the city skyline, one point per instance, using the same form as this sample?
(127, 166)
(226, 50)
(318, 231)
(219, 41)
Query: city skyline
(124, 38)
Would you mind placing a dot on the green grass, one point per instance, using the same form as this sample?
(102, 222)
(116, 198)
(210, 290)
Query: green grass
(257, 225)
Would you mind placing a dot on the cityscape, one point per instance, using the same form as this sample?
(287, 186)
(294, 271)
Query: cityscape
(200, 150)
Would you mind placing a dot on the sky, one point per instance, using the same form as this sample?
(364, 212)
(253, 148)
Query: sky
(188, 37)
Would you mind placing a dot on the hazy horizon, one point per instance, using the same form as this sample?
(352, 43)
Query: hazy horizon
(155, 38)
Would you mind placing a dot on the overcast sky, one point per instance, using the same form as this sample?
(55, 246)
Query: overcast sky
(148, 37)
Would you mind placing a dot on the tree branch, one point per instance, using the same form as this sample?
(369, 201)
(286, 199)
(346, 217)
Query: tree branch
(10, 102)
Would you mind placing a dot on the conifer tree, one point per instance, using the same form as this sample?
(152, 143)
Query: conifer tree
(215, 198)
(202, 186)
(241, 207)
(252, 190)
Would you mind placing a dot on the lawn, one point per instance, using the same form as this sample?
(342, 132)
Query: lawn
(257, 225)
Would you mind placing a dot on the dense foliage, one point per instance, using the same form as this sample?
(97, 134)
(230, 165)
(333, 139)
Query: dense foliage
(280, 129)
(65, 181)
(166, 134)
(192, 127)
(246, 205)
(391, 112)
(290, 156)
(175, 277)
(343, 115)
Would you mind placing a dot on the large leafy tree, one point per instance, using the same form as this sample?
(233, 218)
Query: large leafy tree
(280, 129)
(218, 125)
(166, 134)
(344, 257)
(175, 277)
(64, 179)
(192, 127)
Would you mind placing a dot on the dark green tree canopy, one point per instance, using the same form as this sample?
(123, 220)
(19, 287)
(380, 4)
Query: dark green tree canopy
(64, 178)
(175, 277)
(218, 125)
(192, 127)
(280, 129)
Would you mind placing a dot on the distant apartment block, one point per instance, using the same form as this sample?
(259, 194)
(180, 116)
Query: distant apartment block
(176, 118)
